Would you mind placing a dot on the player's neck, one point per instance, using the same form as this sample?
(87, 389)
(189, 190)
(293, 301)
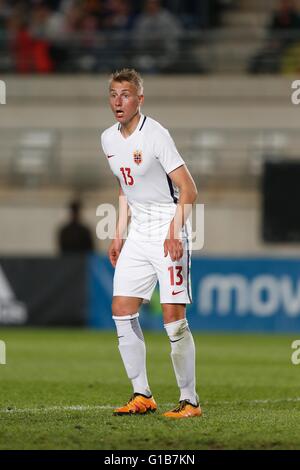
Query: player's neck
(128, 128)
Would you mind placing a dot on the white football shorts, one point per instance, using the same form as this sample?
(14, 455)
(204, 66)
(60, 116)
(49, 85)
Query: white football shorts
(142, 263)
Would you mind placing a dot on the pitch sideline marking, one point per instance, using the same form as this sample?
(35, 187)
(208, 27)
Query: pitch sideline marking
(50, 409)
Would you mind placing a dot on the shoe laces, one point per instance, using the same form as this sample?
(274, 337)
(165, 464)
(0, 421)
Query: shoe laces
(132, 398)
(180, 406)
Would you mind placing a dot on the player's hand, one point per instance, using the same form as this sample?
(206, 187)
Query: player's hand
(114, 250)
(174, 247)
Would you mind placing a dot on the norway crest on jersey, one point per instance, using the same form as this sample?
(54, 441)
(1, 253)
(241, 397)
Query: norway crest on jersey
(137, 157)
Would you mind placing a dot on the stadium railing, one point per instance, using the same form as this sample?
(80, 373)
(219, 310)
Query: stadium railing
(73, 157)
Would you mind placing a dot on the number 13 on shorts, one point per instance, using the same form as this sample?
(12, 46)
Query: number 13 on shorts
(175, 278)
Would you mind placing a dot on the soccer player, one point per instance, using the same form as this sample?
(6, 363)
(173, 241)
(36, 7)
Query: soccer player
(156, 186)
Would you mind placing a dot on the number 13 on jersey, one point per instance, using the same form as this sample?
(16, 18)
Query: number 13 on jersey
(128, 178)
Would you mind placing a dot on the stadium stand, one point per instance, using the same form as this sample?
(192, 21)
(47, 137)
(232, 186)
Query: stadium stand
(211, 36)
(95, 36)
(227, 124)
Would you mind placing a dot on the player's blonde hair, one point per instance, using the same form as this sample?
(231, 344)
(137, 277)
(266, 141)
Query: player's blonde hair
(128, 75)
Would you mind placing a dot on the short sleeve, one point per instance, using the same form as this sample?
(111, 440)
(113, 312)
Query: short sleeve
(165, 150)
(103, 143)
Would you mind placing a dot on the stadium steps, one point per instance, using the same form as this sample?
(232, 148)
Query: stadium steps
(216, 56)
(241, 35)
(246, 19)
(257, 5)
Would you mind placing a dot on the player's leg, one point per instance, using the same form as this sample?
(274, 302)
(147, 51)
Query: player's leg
(132, 281)
(175, 293)
(131, 341)
(183, 359)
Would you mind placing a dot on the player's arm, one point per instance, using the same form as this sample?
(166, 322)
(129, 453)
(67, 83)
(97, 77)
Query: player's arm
(116, 245)
(122, 223)
(182, 178)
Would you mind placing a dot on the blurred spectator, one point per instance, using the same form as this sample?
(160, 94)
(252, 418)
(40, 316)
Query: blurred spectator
(156, 35)
(211, 11)
(285, 17)
(40, 21)
(4, 13)
(88, 43)
(45, 22)
(29, 53)
(288, 19)
(202, 14)
(118, 20)
(283, 32)
(74, 236)
(119, 16)
(100, 35)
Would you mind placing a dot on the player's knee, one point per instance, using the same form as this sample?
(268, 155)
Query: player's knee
(121, 307)
(173, 312)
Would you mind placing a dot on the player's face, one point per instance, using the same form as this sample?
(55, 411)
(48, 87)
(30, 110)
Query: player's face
(124, 101)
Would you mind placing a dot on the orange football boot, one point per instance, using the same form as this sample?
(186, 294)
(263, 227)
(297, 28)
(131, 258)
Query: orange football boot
(185, 409)
(138, 404)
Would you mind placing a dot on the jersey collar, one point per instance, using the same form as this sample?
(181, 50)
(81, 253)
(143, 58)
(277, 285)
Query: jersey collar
(138, 128)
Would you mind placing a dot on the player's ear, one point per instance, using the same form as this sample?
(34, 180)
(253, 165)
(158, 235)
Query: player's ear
(141, 99)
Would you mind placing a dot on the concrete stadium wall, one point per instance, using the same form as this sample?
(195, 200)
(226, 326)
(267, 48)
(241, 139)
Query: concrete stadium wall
(224, 102)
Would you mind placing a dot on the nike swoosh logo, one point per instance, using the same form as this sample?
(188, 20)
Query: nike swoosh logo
(175, 340)
(120, 336)
(109, 156)
(178, 292)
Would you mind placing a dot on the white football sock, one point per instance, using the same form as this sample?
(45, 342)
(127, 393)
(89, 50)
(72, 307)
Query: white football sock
(183, 358)
(133, 351)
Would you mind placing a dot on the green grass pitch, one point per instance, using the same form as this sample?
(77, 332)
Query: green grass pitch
(59, 387)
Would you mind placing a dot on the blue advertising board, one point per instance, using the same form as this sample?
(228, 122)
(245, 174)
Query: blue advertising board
(229, 294)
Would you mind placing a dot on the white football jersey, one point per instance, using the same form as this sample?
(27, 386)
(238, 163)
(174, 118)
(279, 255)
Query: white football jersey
(142, 162)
